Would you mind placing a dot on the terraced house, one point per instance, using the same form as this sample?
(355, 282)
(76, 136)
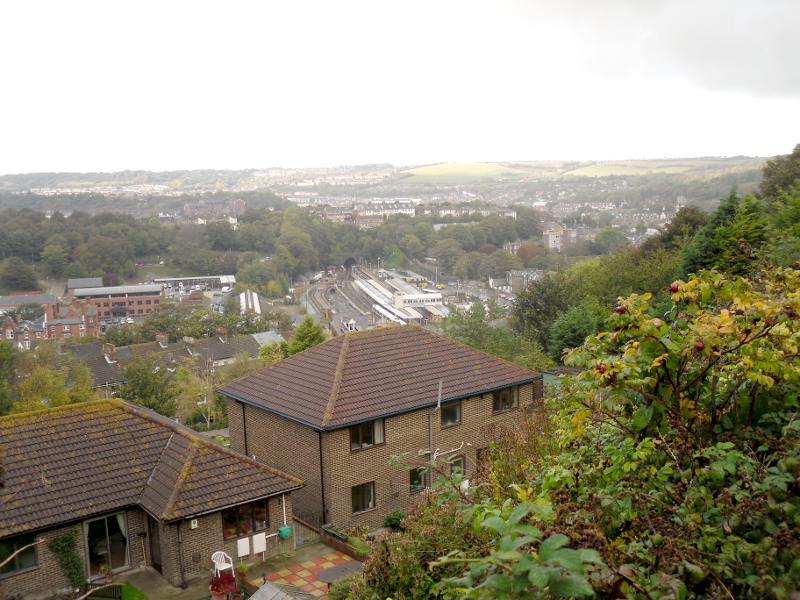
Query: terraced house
(335, 414)
(130, 489)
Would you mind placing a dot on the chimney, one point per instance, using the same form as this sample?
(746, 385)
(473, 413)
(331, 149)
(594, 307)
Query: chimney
(109, 349)
(222, 332)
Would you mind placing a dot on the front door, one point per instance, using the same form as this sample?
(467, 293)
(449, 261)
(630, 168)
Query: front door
(155, 543)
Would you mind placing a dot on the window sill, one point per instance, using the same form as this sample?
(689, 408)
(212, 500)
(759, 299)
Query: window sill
(451, 425)
(363, 512)
(362, 449)
(505, 410)
(17, 572)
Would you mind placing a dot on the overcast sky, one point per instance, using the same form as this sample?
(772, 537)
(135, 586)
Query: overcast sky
(110, 85)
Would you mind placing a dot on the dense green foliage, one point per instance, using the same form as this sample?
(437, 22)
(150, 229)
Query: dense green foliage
(309, 333)
(17, 275)
(669, 467)
(178, 321)
(472, 328)
(150, 386)
(44, 378)
(780, 174)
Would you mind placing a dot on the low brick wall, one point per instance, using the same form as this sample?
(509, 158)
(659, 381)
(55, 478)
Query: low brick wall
(330, 539)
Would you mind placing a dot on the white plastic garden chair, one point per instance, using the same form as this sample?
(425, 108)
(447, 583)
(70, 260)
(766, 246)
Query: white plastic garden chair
(222, 562)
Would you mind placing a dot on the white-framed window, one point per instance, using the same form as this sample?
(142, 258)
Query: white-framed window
(363, 497)
(367, 435)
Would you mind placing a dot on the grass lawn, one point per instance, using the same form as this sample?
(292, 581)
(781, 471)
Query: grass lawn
(131, 592)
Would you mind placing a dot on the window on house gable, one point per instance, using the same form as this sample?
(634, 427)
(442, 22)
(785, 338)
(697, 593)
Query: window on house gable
(363, 497)
(24, 560)
(451, 414)
(366, 435)
(505, 399)
(244, 519)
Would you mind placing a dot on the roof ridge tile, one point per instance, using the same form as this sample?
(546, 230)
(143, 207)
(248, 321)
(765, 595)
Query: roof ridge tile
(182, 477)
(337, 380)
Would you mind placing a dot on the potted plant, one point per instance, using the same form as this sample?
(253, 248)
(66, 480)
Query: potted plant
(227, 582)
(105, 571)
(216, 588)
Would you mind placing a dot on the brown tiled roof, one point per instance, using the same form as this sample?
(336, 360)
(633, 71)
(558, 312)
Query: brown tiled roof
(79, 460)
(362, 376)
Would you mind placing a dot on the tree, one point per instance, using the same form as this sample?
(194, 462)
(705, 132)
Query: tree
(271, 354)
(55, 259)
(678, 231)
(16, 275)
(149, 385)
(703, 250)
(538, 306)
(609, 239)
(412, 246)
(528, 251)
(446, 252)
(309, 333)
(7, 355)
(498, 263)
(730, 240)
(472, 328)
(43, 388)
(573, 326)
(780, 173)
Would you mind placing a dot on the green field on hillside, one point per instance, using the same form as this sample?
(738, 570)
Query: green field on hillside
(459, 173)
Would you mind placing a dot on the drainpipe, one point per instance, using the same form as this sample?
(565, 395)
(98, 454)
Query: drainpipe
(283, 504)
(180, 557)
(430, 434)
(244, 427)
(322, 480)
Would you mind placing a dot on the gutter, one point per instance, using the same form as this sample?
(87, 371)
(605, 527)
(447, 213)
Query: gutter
(227, 506)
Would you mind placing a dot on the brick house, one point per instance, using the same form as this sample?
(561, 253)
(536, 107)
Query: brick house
(335, 414)
(22, 333)
(77, 319)
(139, 490)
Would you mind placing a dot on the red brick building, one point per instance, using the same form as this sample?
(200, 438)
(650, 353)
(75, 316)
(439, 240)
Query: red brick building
(335, 414)
(122, 300)
(78, 319)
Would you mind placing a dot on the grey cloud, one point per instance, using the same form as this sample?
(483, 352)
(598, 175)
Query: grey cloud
(737, 45)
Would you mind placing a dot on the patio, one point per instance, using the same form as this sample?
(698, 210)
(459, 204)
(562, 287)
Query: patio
(304, 575)
(299, 569)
